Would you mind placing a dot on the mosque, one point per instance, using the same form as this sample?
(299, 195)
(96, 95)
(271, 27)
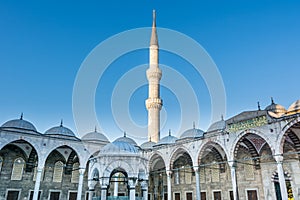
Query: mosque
(252, 156)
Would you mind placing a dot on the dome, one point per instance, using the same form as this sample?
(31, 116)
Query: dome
(20, 124)
(275, 108)
(126, 139)
(217, 126)
(192, 133)
(148, 145)
(95, 136)
(118, 147)
(60, 131)
(167, 140)
(294, 108)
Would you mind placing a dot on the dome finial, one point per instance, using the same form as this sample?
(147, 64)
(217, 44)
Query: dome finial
(222, 117)
(21, 118)
(169, 132)
(272, 100)
(150, 139)
(124, 133)
(258, 105)
(95, 129)
(194, 126)
(61, 123)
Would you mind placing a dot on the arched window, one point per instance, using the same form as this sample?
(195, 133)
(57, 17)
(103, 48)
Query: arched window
(75, 173)
(17, 171)
(1, 163)
(58, 172)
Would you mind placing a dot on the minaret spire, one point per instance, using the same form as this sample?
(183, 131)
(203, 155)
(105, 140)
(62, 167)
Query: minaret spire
(154, 40)
(153, 103)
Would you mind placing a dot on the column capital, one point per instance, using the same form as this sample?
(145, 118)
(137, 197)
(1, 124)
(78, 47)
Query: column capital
(132, 182)
(278, 158)
(81, 171)
(232, 163)
(196, 169)
(169, 172)
(144, 184)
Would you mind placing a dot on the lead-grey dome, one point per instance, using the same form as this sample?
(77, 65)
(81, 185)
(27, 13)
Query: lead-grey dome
(119, 147)
(95, 136)
(148, 145)
(217, 126)
(192, 133)
(20, 124)
(167, 140)
(126, 139)
(60, 131)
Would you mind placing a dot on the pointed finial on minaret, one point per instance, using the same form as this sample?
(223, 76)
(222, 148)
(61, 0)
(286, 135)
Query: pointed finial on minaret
(154, 40)
(272, 100)
(169, 132)
(124, 133)
(258, 105)
(61, 122)
(21, 118)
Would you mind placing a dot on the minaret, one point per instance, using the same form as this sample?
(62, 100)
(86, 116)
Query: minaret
(153, 103)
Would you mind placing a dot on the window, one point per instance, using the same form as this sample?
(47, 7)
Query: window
(217, 195)
(54, 195)
(177, 196)
(17, 171)
(75, 173)
(231, 195)
(249, 171)
(251, 195)
(72, 195)
(203, 195)
(12, 194)
(58, 171)
(31, 195)
(189, 196)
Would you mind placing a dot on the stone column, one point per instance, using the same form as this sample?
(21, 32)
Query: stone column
(132, 183)
(37, 182)
(235, 190)
(169, 182)
(80, 183)
(91, 193)
(198, 190)
(103, 192)
(144, 185)
(283, 190)
(116, 187)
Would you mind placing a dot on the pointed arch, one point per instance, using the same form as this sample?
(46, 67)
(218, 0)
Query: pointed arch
(17, 169)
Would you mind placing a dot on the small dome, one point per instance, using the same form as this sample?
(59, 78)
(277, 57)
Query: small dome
(126, 139)
(294, 108)
(217, 126)
(95, 136)
(275, 108)
(148, 145)
(20, 124)
(167, 140)
(118, 147)
(60, 131)
(192, 133)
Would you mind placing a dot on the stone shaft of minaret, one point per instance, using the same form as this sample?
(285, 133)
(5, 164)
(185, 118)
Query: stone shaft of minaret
(154, 103)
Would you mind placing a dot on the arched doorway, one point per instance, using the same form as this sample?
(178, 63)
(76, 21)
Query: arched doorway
(157, 178)
(118, 185)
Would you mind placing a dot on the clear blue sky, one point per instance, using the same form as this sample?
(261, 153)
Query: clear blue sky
(255, 45)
